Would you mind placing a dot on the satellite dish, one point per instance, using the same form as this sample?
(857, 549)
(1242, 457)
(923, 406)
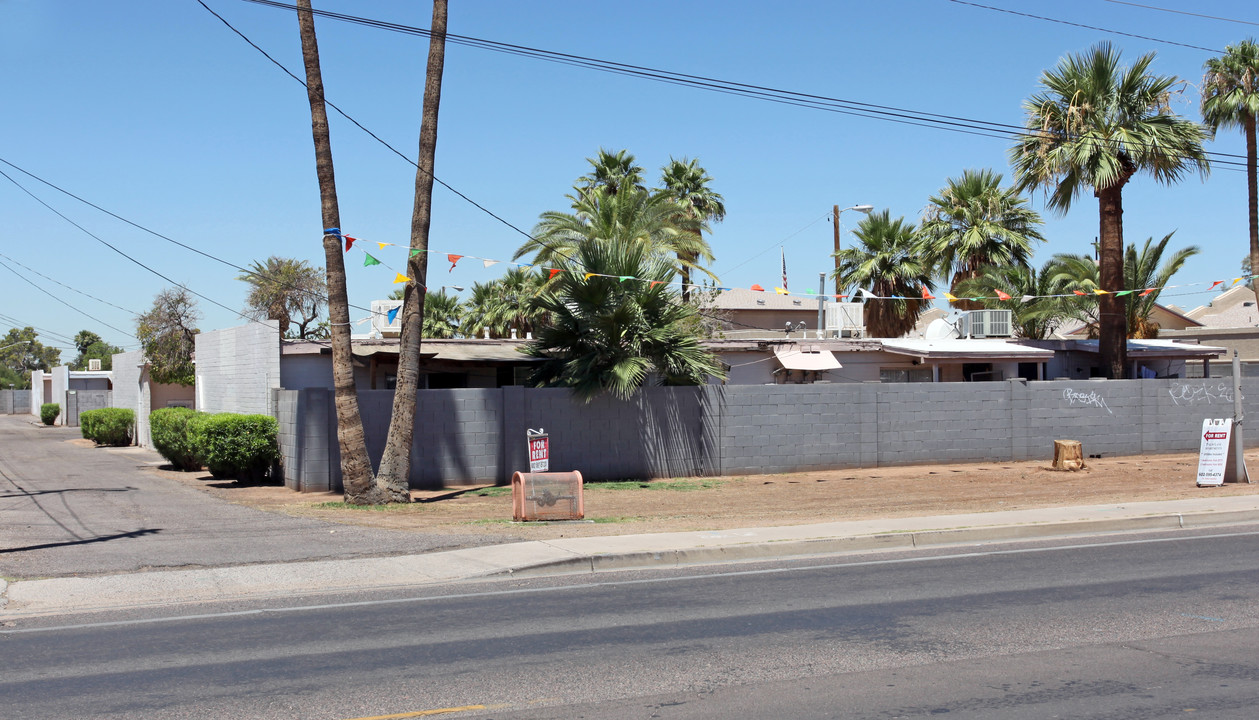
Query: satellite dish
(941, 329)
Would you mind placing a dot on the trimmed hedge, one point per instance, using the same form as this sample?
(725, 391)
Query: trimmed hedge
(173, 431)
(48, 413)
(108, 426)
(240, 446)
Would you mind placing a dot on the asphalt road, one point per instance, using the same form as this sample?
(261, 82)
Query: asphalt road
(69, 510)
(1109, 628)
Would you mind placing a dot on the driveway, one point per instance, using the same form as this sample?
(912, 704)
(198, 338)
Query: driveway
(70, 510)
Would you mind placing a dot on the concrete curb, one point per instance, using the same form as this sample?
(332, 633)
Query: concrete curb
(73, 595)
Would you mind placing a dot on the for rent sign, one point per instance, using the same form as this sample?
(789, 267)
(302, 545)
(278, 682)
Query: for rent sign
(539, 451)
(1213, 455)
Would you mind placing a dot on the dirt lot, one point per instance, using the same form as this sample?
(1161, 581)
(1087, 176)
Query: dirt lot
(666, 505)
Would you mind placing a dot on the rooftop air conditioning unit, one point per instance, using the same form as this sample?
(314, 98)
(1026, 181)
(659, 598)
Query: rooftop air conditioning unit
(382, 310)
(987, 324)
(845, 320)
(94, 364)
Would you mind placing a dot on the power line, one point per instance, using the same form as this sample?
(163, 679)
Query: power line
(1184, 12)
(63, 302)
(952, 123)
(72, 289)
(1086, 27)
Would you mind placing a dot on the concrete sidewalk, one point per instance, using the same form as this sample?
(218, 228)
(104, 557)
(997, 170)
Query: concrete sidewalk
(30, 598)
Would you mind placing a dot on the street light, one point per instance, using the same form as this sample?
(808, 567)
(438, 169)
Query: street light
(859, 208)
(23, 342)
(456, 288)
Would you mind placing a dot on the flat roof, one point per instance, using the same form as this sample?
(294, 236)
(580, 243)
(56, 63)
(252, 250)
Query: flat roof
(961, 349)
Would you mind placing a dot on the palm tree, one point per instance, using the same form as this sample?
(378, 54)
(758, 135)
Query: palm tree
(886, 263)
(651, 219)
(1143, 269)
(614, 171)
(1035, 319)
(687, 183)
(1095, 125)
(1230, 98)
(972, 223)
(356, 468)
(443, 314)
(505, 304)
(610, 334)
(393, 480)
(283, 289)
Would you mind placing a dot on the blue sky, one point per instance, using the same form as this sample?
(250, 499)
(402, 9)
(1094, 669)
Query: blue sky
(155, 111)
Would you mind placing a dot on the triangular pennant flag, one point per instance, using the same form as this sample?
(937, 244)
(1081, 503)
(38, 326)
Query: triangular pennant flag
(360, 322)
(1216, 284)
(588, 276)
(654, 283)
(949, 297)
(384, 245)
(1235, 281)
(1002, 296)
(1079, 292)
(1148, 291)
(626, 277)
(349, 241)
(927, 295)
(416, 251)
(393, 314)
(1028, 298)
(400, 278)
(867, 294)
(758, 288)
(1121, 293)
(368, 260)
(780, 291)
(488, 263)
(454, 260)
(1099, 291)
(723, 289)
(809, 292)
(554, 272)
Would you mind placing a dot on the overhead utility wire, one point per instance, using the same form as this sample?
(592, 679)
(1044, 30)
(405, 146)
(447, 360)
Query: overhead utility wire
(15, 323)
(72, 289)
(111, 247)
(1183, 12)
(1086, 27)
(953, 123)
(156, 234)
(30, 282)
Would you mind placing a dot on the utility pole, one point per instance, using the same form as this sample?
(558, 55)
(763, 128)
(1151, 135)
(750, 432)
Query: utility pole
(835, 217)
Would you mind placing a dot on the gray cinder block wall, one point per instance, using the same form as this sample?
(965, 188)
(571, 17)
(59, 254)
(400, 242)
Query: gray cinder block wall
(478, 436)
(15, 402)
(131, 390)
(238, 368)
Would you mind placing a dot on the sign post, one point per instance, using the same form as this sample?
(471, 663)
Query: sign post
(539, 450)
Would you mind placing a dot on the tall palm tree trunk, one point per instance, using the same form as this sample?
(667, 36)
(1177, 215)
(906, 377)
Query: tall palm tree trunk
(395, 464)
(356, 469)
(1252, 196)
(1112, 315)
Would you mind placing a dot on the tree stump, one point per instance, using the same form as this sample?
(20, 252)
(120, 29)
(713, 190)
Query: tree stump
(1068, 455)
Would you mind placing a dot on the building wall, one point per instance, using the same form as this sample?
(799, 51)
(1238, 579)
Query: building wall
(478, 435)
(131, 391)
(238, 368)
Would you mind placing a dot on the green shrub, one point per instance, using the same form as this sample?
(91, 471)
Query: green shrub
(108, 426)
(240, 446)
(48, 412)
(174, 436)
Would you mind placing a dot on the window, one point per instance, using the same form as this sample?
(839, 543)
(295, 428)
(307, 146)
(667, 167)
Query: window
(914, 374)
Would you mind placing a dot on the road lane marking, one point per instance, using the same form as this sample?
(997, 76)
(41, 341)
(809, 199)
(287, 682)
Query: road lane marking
(423, 713)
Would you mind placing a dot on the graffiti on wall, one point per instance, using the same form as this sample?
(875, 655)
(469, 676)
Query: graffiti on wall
(1092, 398)
(1205, 393)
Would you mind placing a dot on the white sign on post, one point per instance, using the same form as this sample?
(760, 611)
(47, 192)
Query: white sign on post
(1213, 455)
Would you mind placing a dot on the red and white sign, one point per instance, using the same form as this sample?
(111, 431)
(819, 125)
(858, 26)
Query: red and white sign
(539, 452)
(1213, 453)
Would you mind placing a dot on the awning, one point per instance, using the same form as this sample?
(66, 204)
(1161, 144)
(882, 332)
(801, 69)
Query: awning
(806, 358)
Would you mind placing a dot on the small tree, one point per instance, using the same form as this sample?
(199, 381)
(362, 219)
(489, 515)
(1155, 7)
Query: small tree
(20, 353)
(290, 291)
(167, 333)
(92, 347)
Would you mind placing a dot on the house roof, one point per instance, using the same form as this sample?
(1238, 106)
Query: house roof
(455, 350)
(1156, 349)
(744, 299)
(962, 349)
(806, 357)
